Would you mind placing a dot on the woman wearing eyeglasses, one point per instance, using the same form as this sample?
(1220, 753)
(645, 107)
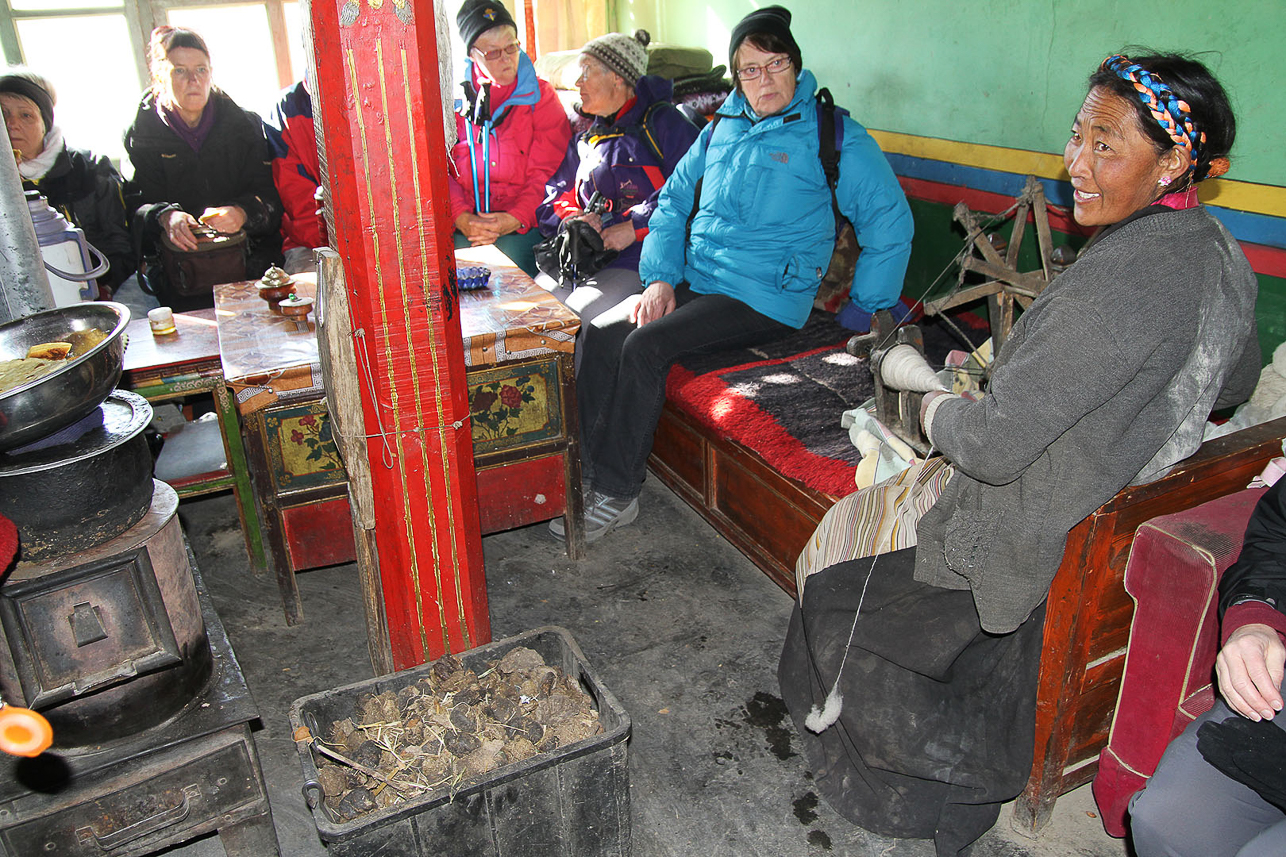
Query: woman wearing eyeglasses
(199, 160)
(512, 133)
(738, 244)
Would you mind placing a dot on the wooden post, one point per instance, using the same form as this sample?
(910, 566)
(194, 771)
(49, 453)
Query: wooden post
(383, 155)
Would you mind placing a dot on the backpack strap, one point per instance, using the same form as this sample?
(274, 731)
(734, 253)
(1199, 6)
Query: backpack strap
(648, 133)
(830, 139)
(696, 193)
(644, 131)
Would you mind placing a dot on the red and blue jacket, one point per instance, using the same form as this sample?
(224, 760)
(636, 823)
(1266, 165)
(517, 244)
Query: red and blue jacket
(514, 150)
(293, 143)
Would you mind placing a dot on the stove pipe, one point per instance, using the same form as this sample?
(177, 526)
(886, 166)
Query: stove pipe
(24, 287)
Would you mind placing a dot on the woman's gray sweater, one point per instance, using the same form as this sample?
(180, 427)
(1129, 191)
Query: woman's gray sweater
(1106, 380)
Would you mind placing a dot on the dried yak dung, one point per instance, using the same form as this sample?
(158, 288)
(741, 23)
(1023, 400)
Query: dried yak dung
(449, 730)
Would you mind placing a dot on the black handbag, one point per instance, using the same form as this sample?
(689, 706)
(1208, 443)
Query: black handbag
(574, 255)
(193, 274)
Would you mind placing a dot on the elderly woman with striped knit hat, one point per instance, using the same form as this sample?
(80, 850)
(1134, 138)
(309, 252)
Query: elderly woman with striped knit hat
(636, 138)
(912, 675)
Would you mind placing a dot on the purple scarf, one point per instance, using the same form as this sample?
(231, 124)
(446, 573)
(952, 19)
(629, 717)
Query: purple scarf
(194, 137)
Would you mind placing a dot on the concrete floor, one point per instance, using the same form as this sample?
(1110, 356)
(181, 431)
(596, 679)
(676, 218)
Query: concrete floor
(682, 628)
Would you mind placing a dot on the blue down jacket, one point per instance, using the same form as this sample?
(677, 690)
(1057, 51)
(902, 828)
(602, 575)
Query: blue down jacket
(765, 230)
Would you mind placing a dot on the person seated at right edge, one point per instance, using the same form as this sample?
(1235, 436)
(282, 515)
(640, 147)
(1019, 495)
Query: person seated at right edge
(512, 133)
(911, 675)
(636, 140)
(292, 140)
(738, 244)
(1196, 805)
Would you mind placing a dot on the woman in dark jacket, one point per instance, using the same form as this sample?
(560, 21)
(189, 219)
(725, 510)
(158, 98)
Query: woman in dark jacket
(637, 138)
(85, 188)
(199, 160)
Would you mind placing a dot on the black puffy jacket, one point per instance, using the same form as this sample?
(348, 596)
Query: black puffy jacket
(1260, 570)
(234, 167)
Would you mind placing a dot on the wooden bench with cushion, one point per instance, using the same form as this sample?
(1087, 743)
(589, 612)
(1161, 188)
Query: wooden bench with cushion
(769, 517)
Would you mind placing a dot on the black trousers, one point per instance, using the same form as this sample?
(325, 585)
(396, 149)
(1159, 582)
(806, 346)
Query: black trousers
(621, 381)
(938, 718)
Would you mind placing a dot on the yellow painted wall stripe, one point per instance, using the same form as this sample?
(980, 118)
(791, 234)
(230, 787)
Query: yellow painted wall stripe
(1242, 196)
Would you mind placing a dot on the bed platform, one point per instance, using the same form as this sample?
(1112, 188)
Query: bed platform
(769, 516)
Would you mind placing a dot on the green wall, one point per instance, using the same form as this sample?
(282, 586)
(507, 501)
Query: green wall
(1006, 73)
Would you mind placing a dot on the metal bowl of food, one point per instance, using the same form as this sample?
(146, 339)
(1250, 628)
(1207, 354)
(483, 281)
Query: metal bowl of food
(57, 366)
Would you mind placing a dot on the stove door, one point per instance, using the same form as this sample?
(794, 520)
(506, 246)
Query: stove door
(76, 631)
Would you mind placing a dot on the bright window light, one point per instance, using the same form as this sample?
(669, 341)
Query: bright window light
(93, 108)
(240, 51)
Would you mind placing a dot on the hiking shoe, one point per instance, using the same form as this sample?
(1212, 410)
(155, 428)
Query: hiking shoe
(603, 513)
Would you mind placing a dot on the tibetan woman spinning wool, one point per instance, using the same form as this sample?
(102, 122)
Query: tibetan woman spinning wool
(919, 666)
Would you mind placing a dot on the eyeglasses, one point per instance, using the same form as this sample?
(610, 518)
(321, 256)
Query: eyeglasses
(491, 56)
(587, 71)
(751, 72)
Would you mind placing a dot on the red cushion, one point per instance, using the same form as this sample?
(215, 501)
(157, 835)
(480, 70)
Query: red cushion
(8, 543)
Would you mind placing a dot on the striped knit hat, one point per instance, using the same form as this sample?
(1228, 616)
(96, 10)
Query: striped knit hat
(624, 55)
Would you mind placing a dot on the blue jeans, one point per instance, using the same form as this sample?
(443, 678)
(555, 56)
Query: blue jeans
(621, 385)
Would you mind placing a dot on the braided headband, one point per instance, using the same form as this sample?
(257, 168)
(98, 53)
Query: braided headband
(1171, 113)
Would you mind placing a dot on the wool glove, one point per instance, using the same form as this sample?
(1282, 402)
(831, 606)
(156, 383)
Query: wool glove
(853, 317)
(1251, 752)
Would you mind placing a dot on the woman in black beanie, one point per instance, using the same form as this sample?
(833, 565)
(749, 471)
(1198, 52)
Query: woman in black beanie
(83, 186)
(512, 131)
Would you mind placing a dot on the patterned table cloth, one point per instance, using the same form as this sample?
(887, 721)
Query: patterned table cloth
(268, 357)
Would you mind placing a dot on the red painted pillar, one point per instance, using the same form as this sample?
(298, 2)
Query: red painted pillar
(385, 162)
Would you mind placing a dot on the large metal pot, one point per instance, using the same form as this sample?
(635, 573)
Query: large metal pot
(68, 497)
(41, 407)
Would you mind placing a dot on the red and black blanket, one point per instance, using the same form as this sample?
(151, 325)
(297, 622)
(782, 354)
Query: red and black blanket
(784, 400)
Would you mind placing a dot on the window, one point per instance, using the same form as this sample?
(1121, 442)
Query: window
(96, 60)
(87, 54)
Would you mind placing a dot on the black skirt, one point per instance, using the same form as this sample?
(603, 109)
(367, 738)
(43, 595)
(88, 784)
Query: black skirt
(938, 718)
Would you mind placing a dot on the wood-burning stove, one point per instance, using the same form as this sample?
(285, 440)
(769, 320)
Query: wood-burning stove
(118, 646)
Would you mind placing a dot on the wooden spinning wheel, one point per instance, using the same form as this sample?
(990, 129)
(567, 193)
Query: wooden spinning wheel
(1005, 284)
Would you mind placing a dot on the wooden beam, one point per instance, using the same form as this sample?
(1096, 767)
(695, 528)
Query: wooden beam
(385, 154)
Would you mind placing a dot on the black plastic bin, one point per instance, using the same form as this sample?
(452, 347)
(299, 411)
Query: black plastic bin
(571, 802)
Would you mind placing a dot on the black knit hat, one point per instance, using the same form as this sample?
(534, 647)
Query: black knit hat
(772, 21)
(21, 85)
(477, 16)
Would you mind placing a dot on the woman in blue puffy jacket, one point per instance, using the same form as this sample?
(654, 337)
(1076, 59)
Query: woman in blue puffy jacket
(762, 229)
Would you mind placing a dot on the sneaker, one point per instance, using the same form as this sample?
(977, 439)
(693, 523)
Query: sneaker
(603, 513)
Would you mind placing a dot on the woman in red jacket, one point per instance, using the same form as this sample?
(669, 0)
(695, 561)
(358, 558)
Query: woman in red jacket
(512, 133)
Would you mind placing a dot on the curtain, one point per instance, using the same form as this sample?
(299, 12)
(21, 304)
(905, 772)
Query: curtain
(564, 25)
